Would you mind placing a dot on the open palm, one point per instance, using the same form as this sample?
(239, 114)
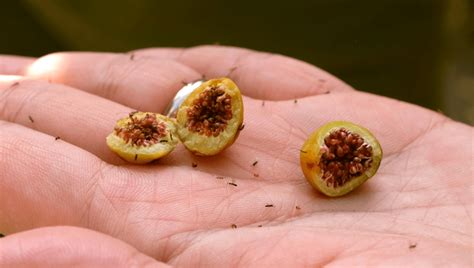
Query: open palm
(249, 205)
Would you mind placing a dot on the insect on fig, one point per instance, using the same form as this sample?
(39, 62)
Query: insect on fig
(142, 137)
(210, 118)
(339, 157)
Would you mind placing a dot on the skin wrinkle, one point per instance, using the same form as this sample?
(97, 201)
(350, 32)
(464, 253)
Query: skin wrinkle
(13, 116)
(115, 74)
(418, 140)
(236, 62)
(238, 65)
(244, 258)
(4, 96)
(427, 207)
(90, 193)
(394, 220)
(241, 256)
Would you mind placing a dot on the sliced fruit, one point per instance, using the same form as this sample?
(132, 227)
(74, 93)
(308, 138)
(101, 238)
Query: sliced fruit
(211, 117)
(339, 157)
(142, 137)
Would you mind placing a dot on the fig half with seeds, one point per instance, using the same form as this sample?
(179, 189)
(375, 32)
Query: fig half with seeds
(142, 137)
(210, 118)
(339, 157)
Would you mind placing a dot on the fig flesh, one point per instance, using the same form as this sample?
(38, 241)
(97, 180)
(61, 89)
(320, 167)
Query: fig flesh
(143, 137)
(339, 157)
(211, 117)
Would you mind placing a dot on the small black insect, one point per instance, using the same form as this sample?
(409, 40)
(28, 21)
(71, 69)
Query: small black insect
(233, 184)
(269, 205)
(241, 127)
(194, 164)
(255, 163)
(57, 138)
(31, 119)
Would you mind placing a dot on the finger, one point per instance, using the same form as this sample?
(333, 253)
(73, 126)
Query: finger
(260, 75)
(67, 247)
(14, 65)
(38, 174)
(62, 112)
(145, 84)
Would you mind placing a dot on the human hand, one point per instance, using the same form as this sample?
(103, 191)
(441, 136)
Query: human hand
(416, 211)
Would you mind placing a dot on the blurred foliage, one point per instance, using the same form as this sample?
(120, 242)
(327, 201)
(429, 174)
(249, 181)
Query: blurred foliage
(405, 49)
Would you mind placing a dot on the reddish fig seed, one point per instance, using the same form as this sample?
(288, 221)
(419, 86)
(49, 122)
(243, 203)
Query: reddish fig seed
(142, 137)
(211, 117)
(339, 157)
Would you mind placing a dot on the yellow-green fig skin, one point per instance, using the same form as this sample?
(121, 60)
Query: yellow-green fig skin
(204, 145)
(310, 154)
(144, 154)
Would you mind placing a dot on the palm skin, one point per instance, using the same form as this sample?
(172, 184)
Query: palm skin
(416, 211)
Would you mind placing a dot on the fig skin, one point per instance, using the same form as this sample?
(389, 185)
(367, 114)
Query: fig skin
(144, 154)
(310, 156)
(209, 145)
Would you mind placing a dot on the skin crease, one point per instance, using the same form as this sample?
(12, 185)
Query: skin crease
(416, 211)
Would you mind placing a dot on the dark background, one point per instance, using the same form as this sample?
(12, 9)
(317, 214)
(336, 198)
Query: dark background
(420, 51)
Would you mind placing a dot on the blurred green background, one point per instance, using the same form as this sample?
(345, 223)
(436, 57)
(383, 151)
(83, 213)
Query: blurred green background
(420, 51)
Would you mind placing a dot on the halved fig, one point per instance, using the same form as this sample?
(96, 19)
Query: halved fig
(339, 157)
(142, 137)
(211, 117)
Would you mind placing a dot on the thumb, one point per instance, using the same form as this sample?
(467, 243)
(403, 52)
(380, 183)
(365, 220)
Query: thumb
(69, 246)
